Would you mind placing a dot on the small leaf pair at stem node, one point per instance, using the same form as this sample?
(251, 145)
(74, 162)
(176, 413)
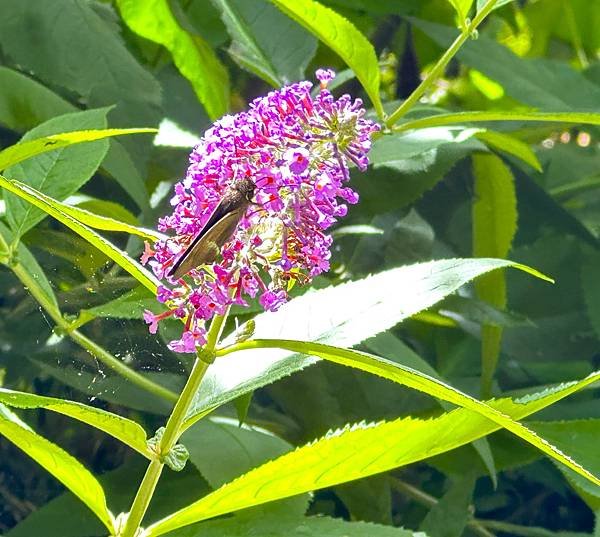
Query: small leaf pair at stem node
(175, 458)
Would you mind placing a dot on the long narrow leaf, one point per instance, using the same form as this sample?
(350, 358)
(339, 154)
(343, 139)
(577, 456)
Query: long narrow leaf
(48, 205)
(193, 56)
(68, 470)
(494, 217)
(459, 118)
(419, 381)
(22, 151)
(341, 36)
(344, 315)
(359, 451)
(123, 429)
(104, 223)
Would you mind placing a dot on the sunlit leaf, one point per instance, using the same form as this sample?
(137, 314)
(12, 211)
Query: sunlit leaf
(47, 204)
(494, 217)
(462, 8)
(341, 36)
(68, 470)
(460, 118)
(343, 315)
(125, 430)
(511, 145)
(29, 148)
(418, 381)
(358, 451)
(193, 56)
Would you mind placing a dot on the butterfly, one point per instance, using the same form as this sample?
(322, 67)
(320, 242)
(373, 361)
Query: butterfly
(207, 245)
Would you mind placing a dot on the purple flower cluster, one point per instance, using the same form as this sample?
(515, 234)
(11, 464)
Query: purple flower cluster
(296, 149)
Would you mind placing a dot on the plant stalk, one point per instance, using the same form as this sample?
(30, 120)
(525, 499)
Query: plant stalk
(439, 67)
(173, 428)
(92, 347)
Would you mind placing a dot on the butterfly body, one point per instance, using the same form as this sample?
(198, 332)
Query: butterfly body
(206, 246)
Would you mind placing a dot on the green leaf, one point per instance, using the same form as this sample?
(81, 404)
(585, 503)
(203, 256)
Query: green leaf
(321, 526)
(499, 3)
(99, 207)
(265, 42)
(105, 223)
(343, 315)
(193, 56)
(462, 8)
(62, 189)
(418, 381)
(343, 38)
(591, 291)
(449, 516)
(68, 470)
(32, 146)
(540, 83)
(394, 150)
(65, 516)
(222, 450)
(102, 72)
(177, 456)
(389, 346)
(242, 405)
(119, 164)
(59, 173)
(101, 60)
(460, 118)
(25, 103)
(511, 145)
(580, 438)
(123, 429)
(481, 312)
(29, 264)
(76, 251)
(417, 174)
(130, 305)
(494, 227)
(49, 206)
(358, 451)
(114, 388)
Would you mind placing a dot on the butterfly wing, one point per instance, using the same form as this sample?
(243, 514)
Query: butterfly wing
(207, 245)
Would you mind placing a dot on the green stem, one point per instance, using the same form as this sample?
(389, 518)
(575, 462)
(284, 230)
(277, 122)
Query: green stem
(173, 429)
(439, 67)
(143, 497)
(93, 348)
(119, 367)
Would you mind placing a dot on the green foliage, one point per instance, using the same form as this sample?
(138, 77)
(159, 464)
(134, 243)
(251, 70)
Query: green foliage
(50, 206)
(192, 55)
(266, 42)
(121, 428)
(488, 158)
(344, 315)
(494, 228)
(352, 452)
(58, 462)
(343, 38)
(450, 515)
